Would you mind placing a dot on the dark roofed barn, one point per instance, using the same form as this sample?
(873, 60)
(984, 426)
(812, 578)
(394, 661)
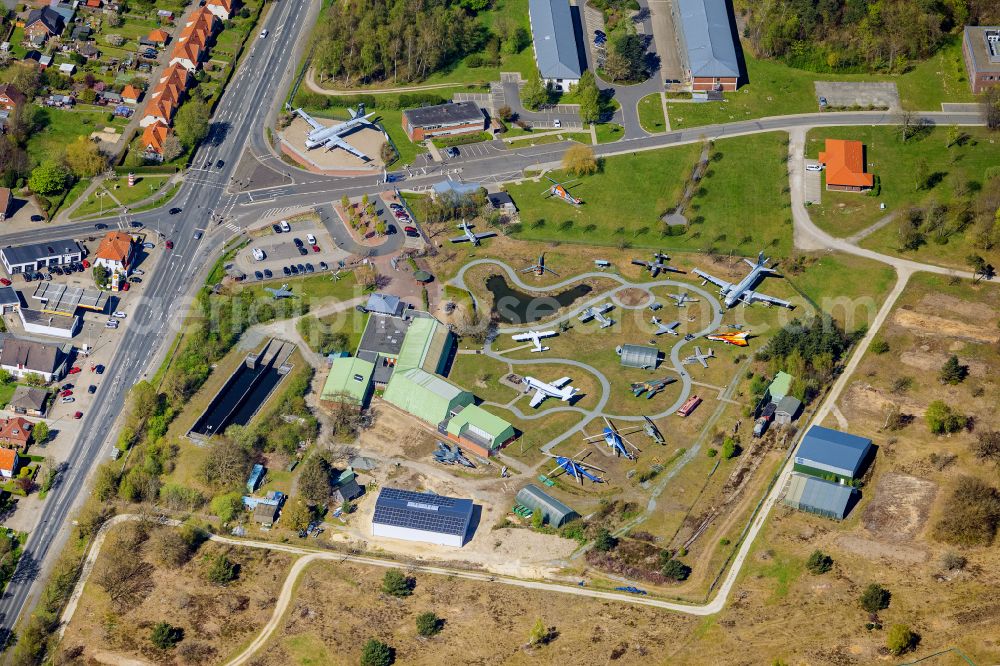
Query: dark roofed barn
(448, 119)
(824, 498)
(403, 514)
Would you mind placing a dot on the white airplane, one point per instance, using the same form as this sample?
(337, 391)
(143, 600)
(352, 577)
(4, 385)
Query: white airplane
(556, 389)
(470, 237)
(698, 357)
(535, 337)
(332, 136)
(743, 290)
(597, 312)
(662, 328)
(682, 299)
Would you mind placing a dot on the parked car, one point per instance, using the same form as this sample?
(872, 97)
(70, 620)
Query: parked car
(390, 230)
(118, 314)
(170, 245)
(66, 393)
(268, 274)
(5, 282)
(86, 264)
(111, 323)
(286, 270)
(323, 266)
(78, 415)
(822, 102)
(301, 267)
(219, 164)
(92, 389)
(310, 268)
(100, 225)
(65, 387)
(148, 245)
(258, 254)
(99, 369)
(452, 152)
(67, 400)
(37, 218)
(303, 251)
(310, 239)
(74, 370)
(197, 235)
(285, 226)
(557, 123)
(294, 269)
(258, 275)
(125, 287)
(814, 167)
(297, 241)
(276, 228)
(395, 206)
(135, 280)
(315, 248)
(411, 232)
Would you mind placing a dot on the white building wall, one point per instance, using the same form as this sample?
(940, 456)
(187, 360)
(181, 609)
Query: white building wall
(410, 534)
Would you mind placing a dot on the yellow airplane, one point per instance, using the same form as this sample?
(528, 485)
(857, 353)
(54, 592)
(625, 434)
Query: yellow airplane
(737, 339)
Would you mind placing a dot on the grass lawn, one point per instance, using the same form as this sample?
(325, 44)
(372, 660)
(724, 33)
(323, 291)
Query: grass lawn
(350, 323)
(71, 196)
(848, 288)
(736, 212)
(651, 114)
(6, 392)
(608, 132)
(62, 127)
(845, 213)
(777, 89)
(528, 140)
(145, 186)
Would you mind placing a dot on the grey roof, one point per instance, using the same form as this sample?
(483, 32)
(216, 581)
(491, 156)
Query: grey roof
(639, 356)
(499, 199)
(452, 113)
(30, 355)
(383, 335)
(65, 299)
(28, 398)
(385, 304)
(265, 514)
(555, 512)
(347, 491)
(985, 54)
(825, 498)
(57, 321)
(708, 38)
(9, 296)
(832, 448)
(423, 511)
(789, 405)
(53, 19)
(555, 39)
(24, 254)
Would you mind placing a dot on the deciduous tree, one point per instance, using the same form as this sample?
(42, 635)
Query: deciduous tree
(191, 122)
(47, 178)
(579, 160)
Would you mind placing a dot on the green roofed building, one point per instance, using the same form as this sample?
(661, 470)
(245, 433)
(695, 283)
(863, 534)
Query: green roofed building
(350, 378)
(479, 431)
(428, 397)
(780, 386)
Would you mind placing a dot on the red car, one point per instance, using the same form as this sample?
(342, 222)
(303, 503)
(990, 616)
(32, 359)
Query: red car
(86, 264)
(5, 282)
(170, 245)
(411, 232)
(78, 415)
(315, 248)
(66, 393)
(74, 370)
(125, 286)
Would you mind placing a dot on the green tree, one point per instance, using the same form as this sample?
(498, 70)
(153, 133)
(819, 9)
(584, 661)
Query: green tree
(604, 541)
(395, 583)
(297, 515)
(314, 480)
(228, 506)
(376, 653)
(579, 160)
(921, 174)
(875, 598)
(878, 346)
(100, 276)
(40, 432)
(534, 93)
(222, 570)
(428, 624)
(953, 372)
(730, 448)
(942, 419)
(539, 634)
(590, 98)
(166, 636)
(537, 519)
(676, 570)
(900, 639)
(84, 158)
(191, 122)
(47, 178)
(819, 562)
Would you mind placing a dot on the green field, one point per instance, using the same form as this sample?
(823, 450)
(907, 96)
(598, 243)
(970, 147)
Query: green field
(623, 203)
(776, 89)
(608, 132)
(145, 187)
(651, 114)
(894, 162)
(848, 288)
(62, 127)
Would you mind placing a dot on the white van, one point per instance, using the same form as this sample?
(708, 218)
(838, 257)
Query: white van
(285, 227)
(258, 254)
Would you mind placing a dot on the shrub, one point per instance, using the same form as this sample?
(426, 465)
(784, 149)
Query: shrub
(397, 584)
(730, 448)
(900, 639)
(376, 653)
(428, 624)
(971, 514)
(878, 346)
(875, 598)
(942, 419)
(711, 453)
(604, 541)
(165, 636)
(953, 372)
(222, 571)
(953, 561)
(819, 562)
(676, 570)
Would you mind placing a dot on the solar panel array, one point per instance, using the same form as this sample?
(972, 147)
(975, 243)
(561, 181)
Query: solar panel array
(422, 511)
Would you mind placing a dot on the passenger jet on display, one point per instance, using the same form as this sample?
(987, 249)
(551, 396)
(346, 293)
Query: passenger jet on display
(743, 290)
(332, 136)
(557, 389)
(535, 337)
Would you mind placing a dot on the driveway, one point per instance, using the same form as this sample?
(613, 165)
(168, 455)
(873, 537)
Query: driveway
(812, 182)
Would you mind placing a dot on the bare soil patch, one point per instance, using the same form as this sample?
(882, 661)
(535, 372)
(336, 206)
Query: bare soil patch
(935, 302)
(879, 550)
(900, 507)
(874, 401)
(932, 361)
(633, 297)
(928, 324)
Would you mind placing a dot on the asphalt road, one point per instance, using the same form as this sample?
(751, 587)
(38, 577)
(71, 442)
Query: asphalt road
(158, 315)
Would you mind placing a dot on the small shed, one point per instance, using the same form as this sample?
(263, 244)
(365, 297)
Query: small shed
(502, 202)
(639, 356)
(780, 386)
(554, 512)
(787, 410)
(67, 68)
(256, 476)
(265, 514)
(824, 498)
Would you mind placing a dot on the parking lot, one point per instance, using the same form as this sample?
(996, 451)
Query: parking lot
(281, 252)
(846, 94)
(812, 184)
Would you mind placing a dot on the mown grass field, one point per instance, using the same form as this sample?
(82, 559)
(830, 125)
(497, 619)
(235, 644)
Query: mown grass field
(651, 114)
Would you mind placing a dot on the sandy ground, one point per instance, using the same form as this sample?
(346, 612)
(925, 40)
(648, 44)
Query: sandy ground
(368, 141)
(928, 324)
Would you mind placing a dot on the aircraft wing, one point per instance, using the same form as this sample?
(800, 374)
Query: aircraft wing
(309, 119)
(460, 239)
(537, 398)
(545, 334)
(521, 337)
(337, 142)
(721, 284)
(486, 234)
(562, 381)
(755, 296)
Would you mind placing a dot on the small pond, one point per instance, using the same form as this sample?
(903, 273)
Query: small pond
(516, 307)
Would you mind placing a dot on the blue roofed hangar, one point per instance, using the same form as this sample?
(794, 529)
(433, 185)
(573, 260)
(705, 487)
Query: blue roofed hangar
(832, 454)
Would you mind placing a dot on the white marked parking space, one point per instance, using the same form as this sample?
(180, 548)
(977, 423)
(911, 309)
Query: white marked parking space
(812, 184)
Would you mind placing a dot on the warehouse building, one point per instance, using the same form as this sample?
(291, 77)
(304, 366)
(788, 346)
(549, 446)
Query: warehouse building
(707, 44)
(350, 380)
(477, 430)
(639, 356)
(824, 498)
(832, 454)
(451, 119)
(556, 52)
(554, 512)
(431, 398)
(34, 256)
(426, 517)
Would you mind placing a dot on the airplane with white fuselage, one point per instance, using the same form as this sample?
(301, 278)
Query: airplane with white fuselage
(662, 328)
(682, 299)
(469, 237)
(698, 357)
(535, 337)
(597, 312)
(743, 290)
(557, 389)
(332, 136)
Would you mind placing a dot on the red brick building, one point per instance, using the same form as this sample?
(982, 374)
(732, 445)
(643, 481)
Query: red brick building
(15, 433)
(450, 119)
(845, 166)
(981, 48)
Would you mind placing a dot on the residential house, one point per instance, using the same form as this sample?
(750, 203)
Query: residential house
(22, 358)
(15, 433)
(221, 8)
(187, 56)
(10, 462)
(11, 97)
(158, 37)
(6, 199)
(845, 166)
(93, 4)
(29, 401)
(116, 252)
(202, 18)
(131, 94)
(158, 111)
(88, 51)
(43, 23)
(109, 97)
(82, 33)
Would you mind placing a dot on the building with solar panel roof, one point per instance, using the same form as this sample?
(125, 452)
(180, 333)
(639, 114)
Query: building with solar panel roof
(426, 517)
